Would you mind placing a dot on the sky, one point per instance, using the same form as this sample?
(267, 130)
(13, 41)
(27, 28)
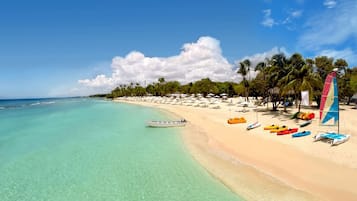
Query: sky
(73, 48)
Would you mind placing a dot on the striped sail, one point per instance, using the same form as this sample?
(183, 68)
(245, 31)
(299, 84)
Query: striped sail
(329, 101)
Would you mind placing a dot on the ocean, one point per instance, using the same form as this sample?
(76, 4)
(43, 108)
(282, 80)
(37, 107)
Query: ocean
(91, 149)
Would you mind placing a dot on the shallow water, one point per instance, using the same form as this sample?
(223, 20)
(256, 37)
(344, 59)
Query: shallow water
(85, 149)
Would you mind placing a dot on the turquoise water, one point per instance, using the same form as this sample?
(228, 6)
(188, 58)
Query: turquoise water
(85, 149)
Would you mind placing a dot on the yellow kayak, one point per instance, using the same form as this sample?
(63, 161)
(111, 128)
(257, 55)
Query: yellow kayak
(273, 126)
(282, 128)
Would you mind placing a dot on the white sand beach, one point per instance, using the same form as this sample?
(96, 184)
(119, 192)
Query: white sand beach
(259, 165)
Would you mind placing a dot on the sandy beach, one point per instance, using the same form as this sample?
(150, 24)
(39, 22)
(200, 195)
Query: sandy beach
(259, 165)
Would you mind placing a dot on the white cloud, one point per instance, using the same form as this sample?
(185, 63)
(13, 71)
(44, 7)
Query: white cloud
(99, 81)
(330, 3)
(196, 61)
(291, 16)
(268, 21)
(347, 54)
(296, 13)
(331, 27)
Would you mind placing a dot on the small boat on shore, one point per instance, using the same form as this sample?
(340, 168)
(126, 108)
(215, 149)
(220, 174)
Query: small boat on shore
(301, 134)
(236, 120)
(270, 127)
(288, 131)
(306, 123)
(253, 125)
(330, 112)
(281, 128)
(332, 137)
(166, 124)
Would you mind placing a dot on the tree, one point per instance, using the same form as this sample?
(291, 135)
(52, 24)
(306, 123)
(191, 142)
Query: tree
(260, 83)
(239, 89)
(161, 80)
(150, 88)
(276, 70)
(247, 64)
(299, 77)
(344, 81)
(186, 89)
(160, 87)
(258, 86)
(324, 66)
(204, 87)
(244, 70)
(353, 81)
(172, 87)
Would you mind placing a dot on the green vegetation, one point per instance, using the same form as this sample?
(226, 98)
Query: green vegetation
(278, 79)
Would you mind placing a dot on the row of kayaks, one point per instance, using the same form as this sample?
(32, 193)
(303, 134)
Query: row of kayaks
(279, 130)
(303, 115)
(284, 130)
(333, 138)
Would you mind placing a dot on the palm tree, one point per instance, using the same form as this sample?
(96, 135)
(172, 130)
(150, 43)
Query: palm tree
(161, 86)
(244, 70)
(276, 70)
(300, 76)
(324, 66)
(262, 67)
(345, 79)
(247, 64)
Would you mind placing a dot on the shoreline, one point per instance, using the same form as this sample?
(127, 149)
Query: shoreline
(259, 166)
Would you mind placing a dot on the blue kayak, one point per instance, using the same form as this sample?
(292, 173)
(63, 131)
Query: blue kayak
(301, 134)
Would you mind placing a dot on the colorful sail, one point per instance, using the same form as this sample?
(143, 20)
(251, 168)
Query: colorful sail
(329, 112)
(329, 101)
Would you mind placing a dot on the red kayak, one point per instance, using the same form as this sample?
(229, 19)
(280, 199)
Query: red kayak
(289, 131)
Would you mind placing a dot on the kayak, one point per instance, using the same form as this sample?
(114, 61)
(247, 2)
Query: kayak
(273, 126)
(289, 131)
(301, 134)
(253, 125)
(281, 128)
(237, 120)
(306, 123)
(306, 115)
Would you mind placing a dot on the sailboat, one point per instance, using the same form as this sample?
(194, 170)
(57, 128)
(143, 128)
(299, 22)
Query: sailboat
(329, 111)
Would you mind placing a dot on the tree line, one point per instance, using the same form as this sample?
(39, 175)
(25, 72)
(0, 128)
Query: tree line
(278, 78)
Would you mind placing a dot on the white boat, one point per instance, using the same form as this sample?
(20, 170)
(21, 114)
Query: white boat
(253, 125)
(166, 124)
(329, 112)
(332, 137)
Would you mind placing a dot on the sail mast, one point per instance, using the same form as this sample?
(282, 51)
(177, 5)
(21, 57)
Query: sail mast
(338, 102)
